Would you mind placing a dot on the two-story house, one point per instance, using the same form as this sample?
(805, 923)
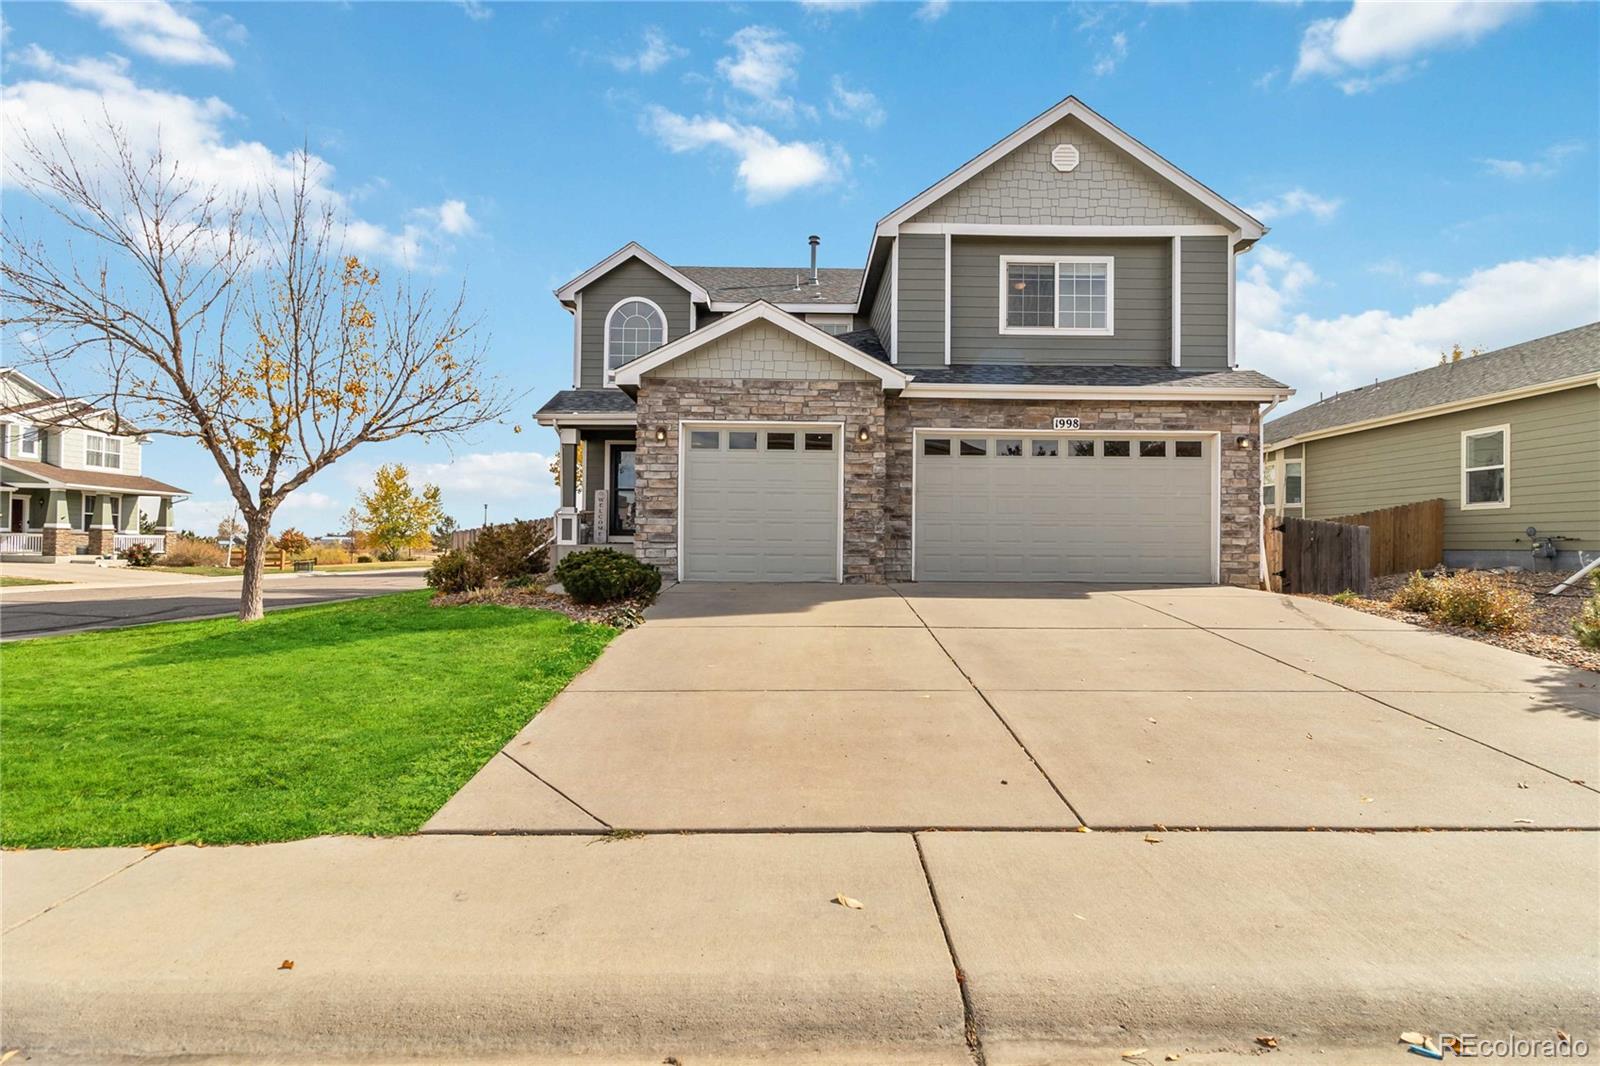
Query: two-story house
(70, 478)
(1033, 377)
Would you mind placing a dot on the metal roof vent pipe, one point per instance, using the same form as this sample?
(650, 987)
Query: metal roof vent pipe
(813, 240)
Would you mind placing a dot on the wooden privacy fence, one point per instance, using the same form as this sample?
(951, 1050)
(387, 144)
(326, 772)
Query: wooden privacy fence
(1318, 557)
(1404, 538)
(276, 559)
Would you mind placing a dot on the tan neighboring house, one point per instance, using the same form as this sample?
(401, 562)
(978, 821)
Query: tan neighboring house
(1510, 439)
(70, 486)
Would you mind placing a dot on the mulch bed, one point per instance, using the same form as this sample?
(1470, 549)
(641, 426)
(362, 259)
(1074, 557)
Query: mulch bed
(1549, 632)
(623, 615)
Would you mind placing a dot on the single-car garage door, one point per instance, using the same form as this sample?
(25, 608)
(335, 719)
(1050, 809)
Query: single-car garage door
(761, 503)
(1013, 507)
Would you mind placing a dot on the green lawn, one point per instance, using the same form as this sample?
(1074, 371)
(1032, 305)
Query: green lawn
(326, 568)
(199, 571)
(359, 717)
(9, 582)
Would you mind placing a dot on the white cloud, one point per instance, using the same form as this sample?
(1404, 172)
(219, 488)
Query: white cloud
(933, 10)
(1490, 308)
(513, 484)
(768, 168)
(76, 96)
(1294, 202)
(1115, 52)
(454, 218)
(764, 63)
(156, 29)
(655, 52)
(1376, 33)
(476, 10)
(306, 500)
(1431, 277)
(1545, 165)
(830, 7)
(858, 104)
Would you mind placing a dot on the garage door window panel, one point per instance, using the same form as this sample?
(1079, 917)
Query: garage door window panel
(1116, 449)
(1008, 447)
(705, 439)
(1152, 449)
(780, 442)
(819, 442)
(1046, 449)
(974, 447)
(742, 440)
(1082, 449)
(1188, 449)
(936, 446)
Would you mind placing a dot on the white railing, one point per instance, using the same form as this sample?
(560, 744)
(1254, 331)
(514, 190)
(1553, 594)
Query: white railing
(22, 543)
(155, 540)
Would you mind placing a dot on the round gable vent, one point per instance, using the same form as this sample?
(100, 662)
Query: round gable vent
(1064, 157)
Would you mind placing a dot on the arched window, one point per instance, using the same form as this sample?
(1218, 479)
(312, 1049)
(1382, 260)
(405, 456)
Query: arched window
(634, 326)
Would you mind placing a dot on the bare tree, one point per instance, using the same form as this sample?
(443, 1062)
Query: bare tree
(236, 321)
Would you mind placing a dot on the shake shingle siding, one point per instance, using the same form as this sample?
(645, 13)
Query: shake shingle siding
(1142, 303)
(1203, 284)
(921, 307)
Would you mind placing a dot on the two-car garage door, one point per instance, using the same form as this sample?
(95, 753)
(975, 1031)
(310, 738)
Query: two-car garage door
(997, 506)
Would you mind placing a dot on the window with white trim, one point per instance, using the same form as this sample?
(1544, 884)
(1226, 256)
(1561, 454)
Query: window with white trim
(1049, 295)
(1486, 467)
(28, 442)
(832, 324)
(101, 450)
(1294, 483)
(1269, 485)
(634, 327)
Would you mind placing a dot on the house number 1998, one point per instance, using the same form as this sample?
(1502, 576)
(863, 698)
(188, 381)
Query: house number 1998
(1063, 423)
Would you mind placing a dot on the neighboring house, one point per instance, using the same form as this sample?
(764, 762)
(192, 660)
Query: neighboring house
(69, 485)
(1509, 439)
(1031, 378)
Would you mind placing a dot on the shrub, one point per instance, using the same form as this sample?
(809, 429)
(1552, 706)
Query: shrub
(605, 575)
(363, 558)
(140, 555)
(454, 571)
(1417, 594)
(193, 551)
(510, 550)
(1587, 626)
(293, 543)
(1481, 602)
(1346, 596)
(327, 553)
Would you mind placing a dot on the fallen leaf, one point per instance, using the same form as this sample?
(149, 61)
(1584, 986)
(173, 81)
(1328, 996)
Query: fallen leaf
(1561, 1035)
(1084, 829)
(1412, 1038)
(1133, 1053)
(1152, 721)
(1523, 821)
(1366, 799)
(1080, 917)
(1267, 1041)
(1148, 839)
(1522, 784)
(845, 901)
(286, 964)
(1174, 1057)
(8, 1055)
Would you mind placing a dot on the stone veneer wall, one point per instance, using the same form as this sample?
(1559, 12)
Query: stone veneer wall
(1241, 483)
(663, 402)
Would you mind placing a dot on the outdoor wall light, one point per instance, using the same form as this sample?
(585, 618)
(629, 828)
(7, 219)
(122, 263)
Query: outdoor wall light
(1245, 443)
(661, 434)
(861, 435)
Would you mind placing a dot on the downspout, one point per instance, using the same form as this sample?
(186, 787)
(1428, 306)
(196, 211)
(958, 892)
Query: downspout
(1261, 468)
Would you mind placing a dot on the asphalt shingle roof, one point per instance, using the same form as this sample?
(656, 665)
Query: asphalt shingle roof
(1572, 353)
(588, 402)
(835, 285)
(1092, 376)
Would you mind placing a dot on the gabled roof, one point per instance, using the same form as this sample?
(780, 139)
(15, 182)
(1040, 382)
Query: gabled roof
(632, 250)
(1250, 228)
(1561, 360)
(740, 285)
(628, 374)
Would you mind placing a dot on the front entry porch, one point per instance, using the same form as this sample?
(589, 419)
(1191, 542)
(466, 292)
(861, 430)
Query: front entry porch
(49, 524)
(598, 479)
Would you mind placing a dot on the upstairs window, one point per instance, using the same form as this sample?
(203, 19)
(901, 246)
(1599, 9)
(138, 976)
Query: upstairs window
(28, 442)
(634, 326)
(100, 450)
(1486, 468)
(1048, 296)
(1269, 485)
(1293, 483)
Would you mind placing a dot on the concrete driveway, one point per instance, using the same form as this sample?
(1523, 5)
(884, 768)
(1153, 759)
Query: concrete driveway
(814, 707)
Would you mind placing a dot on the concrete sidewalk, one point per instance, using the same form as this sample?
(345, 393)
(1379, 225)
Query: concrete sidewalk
(1073, 947)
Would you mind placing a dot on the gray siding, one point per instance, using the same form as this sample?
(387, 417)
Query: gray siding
(632, 278)
(1142, 303)
(882, 302)
(1203, 310)
(1554, 477)
(920, 312)
(1108, 187)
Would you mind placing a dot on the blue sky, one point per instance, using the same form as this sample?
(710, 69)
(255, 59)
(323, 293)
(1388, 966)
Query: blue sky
(1429, 171)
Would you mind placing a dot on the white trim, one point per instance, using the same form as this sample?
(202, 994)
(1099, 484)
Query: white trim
(631, 250)
(631, 372)
(894, 302)
(568, 435)
(1087, 392)
(1505, 465)
(1524, 392)
(838, 319)
(947, 301)
(577, 344)
(729, 306)
(605, 486)
(1177, 301)
(605, 351)
(686, 424)
(1073, 229)
(1109, 330)
(1233, 348)
(22, 440)
(694, 315)
(1074, 108)
(1214, 436)
(596, 419)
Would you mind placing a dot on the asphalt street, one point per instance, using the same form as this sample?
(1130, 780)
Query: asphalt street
(39, 611)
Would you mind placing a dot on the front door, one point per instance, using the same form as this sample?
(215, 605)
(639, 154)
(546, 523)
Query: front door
(621, 481)
(19, 514)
